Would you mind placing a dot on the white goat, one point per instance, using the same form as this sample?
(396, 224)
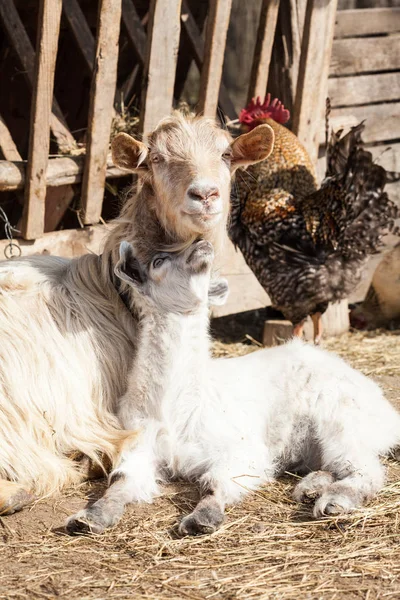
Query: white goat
(67, 340)
(235, 424)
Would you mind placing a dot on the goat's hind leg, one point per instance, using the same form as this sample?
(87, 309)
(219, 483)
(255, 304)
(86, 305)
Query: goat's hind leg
(312, 486)
(357, 480)
(13, 497)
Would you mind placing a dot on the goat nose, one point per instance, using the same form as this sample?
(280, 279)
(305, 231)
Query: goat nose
(203, 193)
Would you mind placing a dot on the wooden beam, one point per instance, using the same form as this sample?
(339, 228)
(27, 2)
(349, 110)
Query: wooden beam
(263, 50)
(25, 53)
(7, 145)
(101, 109)
(367, 21)
(163, 33)
(134, 29)
(215, 40)
(35, 189)
(362, 55)
(69, 243)
(81, 31)
(364, 89)
(60, 171)
(313, 72)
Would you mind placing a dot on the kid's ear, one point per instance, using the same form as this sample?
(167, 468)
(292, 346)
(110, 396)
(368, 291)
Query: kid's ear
(252, 147)
(128, 268)
(218, 292)
(128, 153)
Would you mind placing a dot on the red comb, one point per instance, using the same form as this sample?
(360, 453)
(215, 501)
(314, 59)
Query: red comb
(256, 110)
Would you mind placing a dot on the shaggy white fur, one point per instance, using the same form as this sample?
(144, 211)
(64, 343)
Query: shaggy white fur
(235, 424)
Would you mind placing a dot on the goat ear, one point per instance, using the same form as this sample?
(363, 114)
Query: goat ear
(128, 268)
(128, 153)
(218, 292)
(252, 147)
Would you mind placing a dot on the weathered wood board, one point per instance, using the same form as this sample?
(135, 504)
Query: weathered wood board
(101, 109)
(39, 143)
(369, 21)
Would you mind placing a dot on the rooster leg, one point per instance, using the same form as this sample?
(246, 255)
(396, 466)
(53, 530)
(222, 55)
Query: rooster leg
(317, 325)
(298, 329)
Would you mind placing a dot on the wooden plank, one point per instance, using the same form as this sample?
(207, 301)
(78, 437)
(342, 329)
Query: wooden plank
(197, 45)
(263, 50)
(354, 56)
(382, 121)
(35, 189)
(57, 201)
(134, 29)
(364, 89)
(163, 33)
(81, 32)
(215, 39)
(25, 53)
(313, 72)
(7, 145)
(101, 109)
(69, 243)
(60, 171)
(366, 21)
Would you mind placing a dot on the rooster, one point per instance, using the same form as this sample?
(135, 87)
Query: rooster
(308, 246)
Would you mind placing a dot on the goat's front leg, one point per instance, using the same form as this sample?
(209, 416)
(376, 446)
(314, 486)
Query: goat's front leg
(133, 481)
(222, 485)
(208, 514)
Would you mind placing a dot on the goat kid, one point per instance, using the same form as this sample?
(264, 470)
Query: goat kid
(67, 340)
(235, 424)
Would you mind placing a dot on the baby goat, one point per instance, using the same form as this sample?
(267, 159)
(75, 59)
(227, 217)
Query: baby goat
(235, 424)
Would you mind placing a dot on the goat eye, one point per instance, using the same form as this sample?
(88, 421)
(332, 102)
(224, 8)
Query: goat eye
(157, 262)
(227, 155)
(155, 158)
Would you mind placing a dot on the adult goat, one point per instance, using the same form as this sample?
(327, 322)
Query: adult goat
(67, 339)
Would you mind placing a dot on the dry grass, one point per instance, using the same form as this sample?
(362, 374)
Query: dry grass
(268, 547)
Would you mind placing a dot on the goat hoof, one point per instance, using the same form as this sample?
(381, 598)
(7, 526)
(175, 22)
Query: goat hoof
(331, 505)
(202, 522)
(312, 486)
(80, 524)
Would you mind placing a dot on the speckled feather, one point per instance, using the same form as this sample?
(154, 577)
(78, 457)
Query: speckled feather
(308, 247)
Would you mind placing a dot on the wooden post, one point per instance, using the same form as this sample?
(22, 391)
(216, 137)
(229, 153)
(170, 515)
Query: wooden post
(163, 33)
(263, 49)
(312, 82)
(211, 73)
(101, 109)
(39, 142)
(277, 332)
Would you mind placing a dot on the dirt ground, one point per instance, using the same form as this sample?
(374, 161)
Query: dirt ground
(268, 547)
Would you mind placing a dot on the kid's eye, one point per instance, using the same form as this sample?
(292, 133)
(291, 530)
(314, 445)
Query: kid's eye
(157, 262)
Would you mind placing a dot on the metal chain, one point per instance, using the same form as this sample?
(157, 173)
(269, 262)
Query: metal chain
(12, 249)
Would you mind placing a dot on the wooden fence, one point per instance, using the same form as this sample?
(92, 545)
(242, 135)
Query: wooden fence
(92, 57)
